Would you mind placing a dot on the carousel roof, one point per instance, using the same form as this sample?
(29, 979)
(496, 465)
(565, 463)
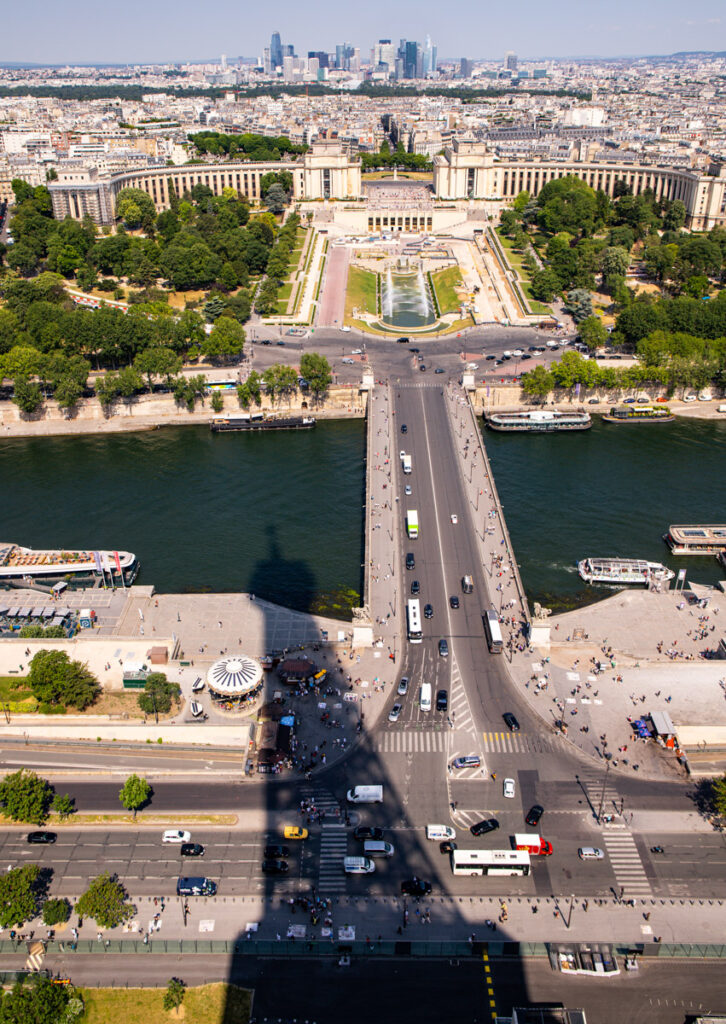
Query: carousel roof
(234, 675)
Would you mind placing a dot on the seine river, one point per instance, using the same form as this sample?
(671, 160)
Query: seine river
(280, 515)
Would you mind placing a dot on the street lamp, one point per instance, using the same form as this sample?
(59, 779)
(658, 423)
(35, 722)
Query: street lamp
(602, 795)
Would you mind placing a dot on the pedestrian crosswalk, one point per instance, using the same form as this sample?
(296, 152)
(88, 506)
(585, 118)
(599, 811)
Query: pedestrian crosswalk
(459, 707)
(626, 864)
(35, 960)
(411, 741)
(333, 844)
(601, 793)
(517, 743)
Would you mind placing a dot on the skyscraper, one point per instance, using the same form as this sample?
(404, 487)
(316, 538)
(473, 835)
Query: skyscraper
(275, 51)
(510, 60)
(429, 58)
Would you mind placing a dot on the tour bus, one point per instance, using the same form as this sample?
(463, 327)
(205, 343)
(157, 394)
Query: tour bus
(228, 384)
(490, 862)
(413, 616)
(412, 522)
(492, 630)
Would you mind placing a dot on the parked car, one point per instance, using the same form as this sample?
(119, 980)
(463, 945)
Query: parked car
(482, 827)
(176, 836)
(42, 837)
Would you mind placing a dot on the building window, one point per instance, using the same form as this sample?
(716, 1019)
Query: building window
(326, 184)
(470, 182)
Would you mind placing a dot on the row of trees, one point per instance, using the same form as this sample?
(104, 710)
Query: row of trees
(398, 158)
(278, 266)
(245, 147)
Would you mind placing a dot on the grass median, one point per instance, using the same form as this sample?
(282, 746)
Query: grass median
(361, 293)
(219, 1003)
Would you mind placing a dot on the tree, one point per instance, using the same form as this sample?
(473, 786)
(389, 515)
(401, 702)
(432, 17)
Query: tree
(56, 680)
(579, 304)
(25, 796)
(133, 205)
(174, 995)
(158, 694)
(56, 911)
(545, 285)
(567, 204)
(21, 890)
(675, 216)
(38, 1000)
(105, 901)
(217, 401)
(316, 371)
(157, 362)
(718, 791)
(135, 793)
(593, 332)
(226, 339)
(538, 382)
(27, 395)
(276, 199)
(67, 392)
(64, 805)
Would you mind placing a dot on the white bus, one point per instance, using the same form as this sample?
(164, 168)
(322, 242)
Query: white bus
(413, 618)
(412, 523)
(490, 862)
(493, 631)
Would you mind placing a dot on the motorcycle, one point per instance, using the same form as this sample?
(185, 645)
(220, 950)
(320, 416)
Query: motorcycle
(657, 849)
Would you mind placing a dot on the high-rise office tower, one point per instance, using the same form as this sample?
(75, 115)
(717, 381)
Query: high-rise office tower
(429, 58)
(321, 55)
(411, 59)
(510, 60)
(275, 51)
(466, 67)
(288, 51)
(223, 62)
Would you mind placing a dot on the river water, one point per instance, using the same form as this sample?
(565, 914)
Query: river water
(610, 491)
(281, 514)
(278, 514)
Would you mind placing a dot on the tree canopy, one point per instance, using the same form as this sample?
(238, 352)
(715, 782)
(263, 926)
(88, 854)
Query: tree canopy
(106, 902)
(25, 796)
(21, 893)
(57, 681)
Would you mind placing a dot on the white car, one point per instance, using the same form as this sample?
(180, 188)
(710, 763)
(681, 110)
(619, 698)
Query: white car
(176, 835)
(395, 713)
(346, 329)
(517, 353)
(356, 352)
(407, 489)
(509, 788)
(454, 519)
(689, 398)
(349, 362)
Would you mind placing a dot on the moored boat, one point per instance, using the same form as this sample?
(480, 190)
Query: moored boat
(696, 539)
(623, 570)
(639, 414)
(538, 421)
(17, 563)
(260, 421)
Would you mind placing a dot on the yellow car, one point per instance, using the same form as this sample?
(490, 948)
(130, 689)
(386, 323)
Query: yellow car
(293, 832)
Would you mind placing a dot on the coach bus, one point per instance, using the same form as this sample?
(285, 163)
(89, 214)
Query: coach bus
(493, 631)
(490, 862)
(413, 618)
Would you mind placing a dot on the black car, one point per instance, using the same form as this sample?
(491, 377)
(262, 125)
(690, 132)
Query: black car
(428, 611)
(454, 601)
(275, 851)
(410, 561)
(415, 887)
(364, 832)
(265, 341)
(511, 721)
(491, 357)
(448, 846)
(415, 587)
(275, 867)
(442, 700)
(404, 428)
(439, 369)
(191, 850)
(443, 648)
(403, 341)
(42, 837)
(281, 343)
(534, 814)
(422, 367)
(414, 350)
(482, 827)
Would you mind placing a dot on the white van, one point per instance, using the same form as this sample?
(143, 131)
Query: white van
(358, 865)
(438, 833)
(424, 701)
(365, 795)
(376, 848)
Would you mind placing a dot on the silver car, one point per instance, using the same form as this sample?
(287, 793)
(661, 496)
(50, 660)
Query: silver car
(395, 713)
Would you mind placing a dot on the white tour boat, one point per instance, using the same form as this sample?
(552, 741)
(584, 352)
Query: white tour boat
(623, 570)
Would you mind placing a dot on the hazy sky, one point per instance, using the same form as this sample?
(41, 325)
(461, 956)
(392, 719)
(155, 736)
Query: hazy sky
(90, 31)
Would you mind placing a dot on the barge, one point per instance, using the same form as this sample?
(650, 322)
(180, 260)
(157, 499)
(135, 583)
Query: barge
(538, 421)
(696, 539)
(623, 570)
(639, 414)
(260, 421)
(18, 563)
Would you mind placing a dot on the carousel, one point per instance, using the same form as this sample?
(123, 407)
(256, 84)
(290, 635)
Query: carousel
(235, 683)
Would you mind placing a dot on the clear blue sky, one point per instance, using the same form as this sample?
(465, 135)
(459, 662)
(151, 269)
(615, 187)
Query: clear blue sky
(91, 31)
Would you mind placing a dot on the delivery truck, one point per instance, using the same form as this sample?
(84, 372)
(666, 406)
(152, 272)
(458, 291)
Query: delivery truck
(535, 845)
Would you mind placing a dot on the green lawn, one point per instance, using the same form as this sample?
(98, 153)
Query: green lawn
(445, 284)
(361, 292)
(515, 258)
(16, 695)
(285, 291)
(208, 1004)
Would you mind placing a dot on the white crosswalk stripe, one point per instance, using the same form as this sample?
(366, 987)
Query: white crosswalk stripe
(333, 845)
(516, 743)
(626, 864)
(34, 962)
(464, 819)
(411, 741)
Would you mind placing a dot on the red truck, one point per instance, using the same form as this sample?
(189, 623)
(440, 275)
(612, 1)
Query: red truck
(535, 845)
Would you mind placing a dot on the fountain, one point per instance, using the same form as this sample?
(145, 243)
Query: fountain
(406, 300)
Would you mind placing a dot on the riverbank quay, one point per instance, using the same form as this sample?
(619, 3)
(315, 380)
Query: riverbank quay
(502, 396)
(149, 412)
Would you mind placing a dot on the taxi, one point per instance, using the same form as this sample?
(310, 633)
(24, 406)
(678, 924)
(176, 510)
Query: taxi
(294, 832)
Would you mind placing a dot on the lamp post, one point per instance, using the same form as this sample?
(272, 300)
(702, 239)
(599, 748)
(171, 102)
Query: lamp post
(602, 794)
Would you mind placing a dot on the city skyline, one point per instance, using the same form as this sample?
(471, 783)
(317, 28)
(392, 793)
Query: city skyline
(173, 33)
